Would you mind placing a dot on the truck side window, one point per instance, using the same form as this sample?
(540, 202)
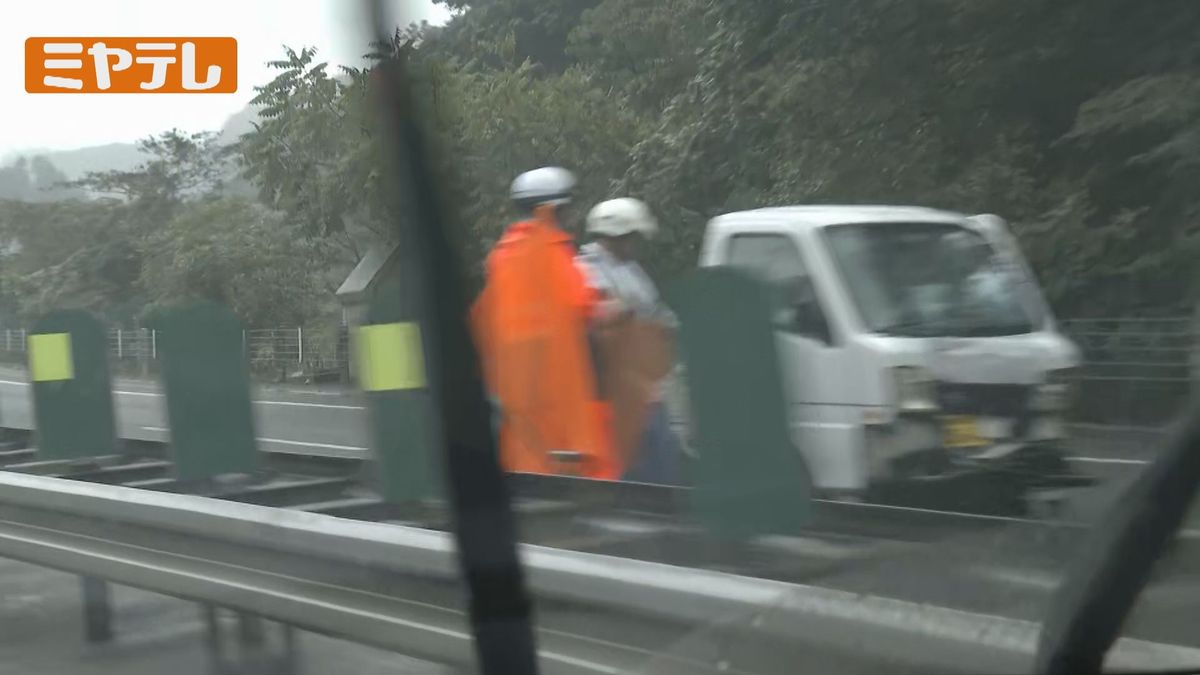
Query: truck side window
(775, 259)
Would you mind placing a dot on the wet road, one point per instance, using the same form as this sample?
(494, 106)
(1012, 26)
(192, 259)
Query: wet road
(288, 419)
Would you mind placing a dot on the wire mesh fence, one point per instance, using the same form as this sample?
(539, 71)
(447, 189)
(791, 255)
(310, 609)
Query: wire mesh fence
(1135, 371)
(274, 354)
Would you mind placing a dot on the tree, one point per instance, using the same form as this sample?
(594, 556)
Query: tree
(501, 34)
(1074, 119)
(314, 153)
(237, 253)
(180, 167)
(67, 254)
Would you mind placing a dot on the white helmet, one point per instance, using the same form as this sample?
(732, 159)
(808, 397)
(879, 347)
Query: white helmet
(547, 185)
(617, 217)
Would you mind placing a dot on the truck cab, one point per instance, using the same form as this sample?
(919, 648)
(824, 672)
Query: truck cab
(915, 342)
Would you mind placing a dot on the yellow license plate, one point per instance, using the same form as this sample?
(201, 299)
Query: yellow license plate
(961, 431)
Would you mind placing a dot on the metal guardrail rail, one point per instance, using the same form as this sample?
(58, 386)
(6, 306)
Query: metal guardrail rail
(396, 587)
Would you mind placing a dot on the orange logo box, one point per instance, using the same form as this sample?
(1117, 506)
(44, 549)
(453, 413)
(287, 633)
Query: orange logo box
(124, 65)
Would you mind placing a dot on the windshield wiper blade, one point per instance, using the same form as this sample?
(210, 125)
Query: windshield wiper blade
(484, 526)
(1104, 582)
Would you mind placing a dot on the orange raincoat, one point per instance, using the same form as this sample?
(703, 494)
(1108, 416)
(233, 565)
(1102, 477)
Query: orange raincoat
(531, 324)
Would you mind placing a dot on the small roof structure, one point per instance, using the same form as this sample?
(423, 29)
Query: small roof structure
(366, 273)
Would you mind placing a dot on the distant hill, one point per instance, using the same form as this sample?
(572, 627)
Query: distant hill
(238, 123)
(76, 163)
(122, 156)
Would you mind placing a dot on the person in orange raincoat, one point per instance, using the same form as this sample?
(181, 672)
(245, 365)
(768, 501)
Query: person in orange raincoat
(531, 325)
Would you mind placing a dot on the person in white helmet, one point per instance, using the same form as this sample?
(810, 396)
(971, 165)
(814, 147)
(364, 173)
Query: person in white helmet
(531, 325)
(619, 229)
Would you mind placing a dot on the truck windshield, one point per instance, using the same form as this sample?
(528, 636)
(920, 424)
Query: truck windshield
(929, 279)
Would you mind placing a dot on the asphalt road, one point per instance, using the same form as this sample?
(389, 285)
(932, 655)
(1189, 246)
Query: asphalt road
(288, 419)
(41, 631)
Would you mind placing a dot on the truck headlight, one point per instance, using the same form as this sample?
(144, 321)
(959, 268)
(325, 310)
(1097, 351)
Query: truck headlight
(1056, 391)
(916, 390)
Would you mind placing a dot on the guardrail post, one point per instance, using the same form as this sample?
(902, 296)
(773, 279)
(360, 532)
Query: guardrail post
(97, 610)
(71, 386)
(207, 386)
(299, 345)
(153, 344)
(749, 478)
(250, 630)
(390, 365)
(254, 652)
(120, 346)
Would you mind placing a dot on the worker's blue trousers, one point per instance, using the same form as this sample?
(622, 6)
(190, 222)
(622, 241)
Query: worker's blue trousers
(658, 456)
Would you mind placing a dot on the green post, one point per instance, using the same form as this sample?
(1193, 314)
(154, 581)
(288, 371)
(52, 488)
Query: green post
(207, 386)
(71, 386)
(390, 364)
(749, 478)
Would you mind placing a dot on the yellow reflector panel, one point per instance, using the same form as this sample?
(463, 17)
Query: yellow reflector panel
(389, 356)
(50, 357)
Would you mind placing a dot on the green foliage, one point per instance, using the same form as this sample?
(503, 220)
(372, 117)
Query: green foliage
(66, 255)
(530, 122)
(316, 152)
(1044, 115)
(236, 253)
(1078, 120)
(315, 155)
(501, 34)
(166, 235)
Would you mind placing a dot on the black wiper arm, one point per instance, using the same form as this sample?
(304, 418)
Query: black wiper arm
(484, 526)
(1104, 582)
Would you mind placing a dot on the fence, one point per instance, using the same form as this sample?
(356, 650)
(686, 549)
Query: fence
(1136, 371)
(276, 354)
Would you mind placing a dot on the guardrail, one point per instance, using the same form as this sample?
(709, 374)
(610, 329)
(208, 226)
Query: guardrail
(396, 587)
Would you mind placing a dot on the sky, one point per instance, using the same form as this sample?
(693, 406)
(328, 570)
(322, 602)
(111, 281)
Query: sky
(62, 121)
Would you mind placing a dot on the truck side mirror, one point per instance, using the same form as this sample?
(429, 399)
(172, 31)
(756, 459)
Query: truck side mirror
(802, 314)
(810, 321)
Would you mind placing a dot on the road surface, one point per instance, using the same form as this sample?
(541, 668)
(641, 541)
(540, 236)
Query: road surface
(41, 631)
(288, 419)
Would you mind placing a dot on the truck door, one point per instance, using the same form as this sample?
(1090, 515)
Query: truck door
(826, 431)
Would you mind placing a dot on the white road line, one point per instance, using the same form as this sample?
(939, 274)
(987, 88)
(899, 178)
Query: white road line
(282, 441)
(1039, 579)
(1107, 460)
(312, 445)
(155, 394)
(298, 404)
